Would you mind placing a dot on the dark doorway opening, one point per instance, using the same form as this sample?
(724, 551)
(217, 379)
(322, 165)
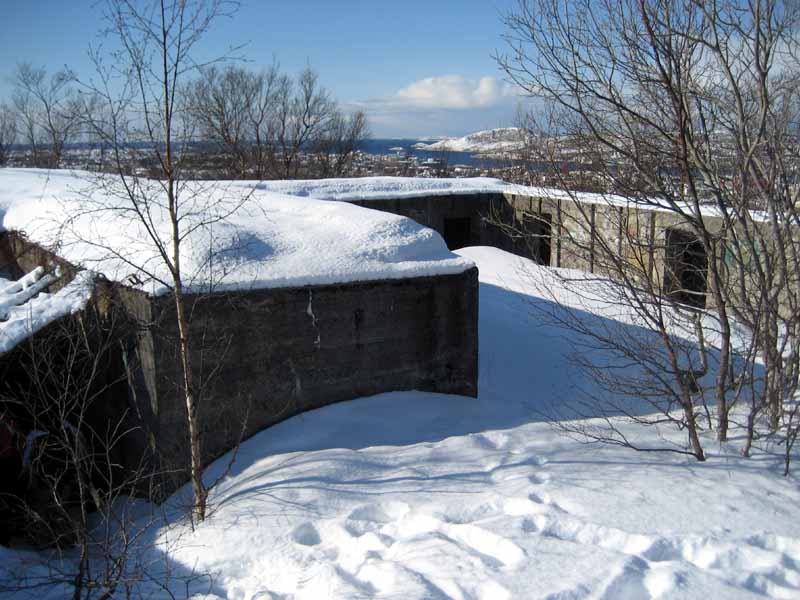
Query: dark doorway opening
(534, 241)
(458, 232)
(686, 268)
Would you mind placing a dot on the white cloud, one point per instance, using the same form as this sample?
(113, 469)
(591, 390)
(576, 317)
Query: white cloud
(443, 105)
(454, 92)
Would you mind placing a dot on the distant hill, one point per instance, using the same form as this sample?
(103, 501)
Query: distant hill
(489, 141)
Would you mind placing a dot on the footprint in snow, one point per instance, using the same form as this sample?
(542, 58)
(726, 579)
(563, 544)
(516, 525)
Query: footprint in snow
(540, 478)
(372, 517)
(306, 535)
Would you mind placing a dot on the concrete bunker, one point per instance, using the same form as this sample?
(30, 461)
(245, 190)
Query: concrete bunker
(509, 222)
(359, 303)
(264, 355)
(279, 352)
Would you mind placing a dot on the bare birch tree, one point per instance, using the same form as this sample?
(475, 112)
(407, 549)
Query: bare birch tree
(141, 117)
(690, 109)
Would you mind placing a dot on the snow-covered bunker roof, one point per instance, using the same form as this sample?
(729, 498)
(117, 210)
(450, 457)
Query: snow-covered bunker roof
(25, 308)
(399, 188)
(272, 240)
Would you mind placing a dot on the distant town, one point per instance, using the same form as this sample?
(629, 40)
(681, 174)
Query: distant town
(503, 153)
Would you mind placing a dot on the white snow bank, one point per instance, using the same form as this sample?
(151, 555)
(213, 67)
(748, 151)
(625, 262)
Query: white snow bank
(413, 495)
(271, 240)
(25, 308)
(424, 496)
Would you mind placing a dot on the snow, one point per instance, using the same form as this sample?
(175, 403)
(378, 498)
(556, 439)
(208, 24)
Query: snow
(398, 188)
(385, 188)
(272, 240)
(417, 496)
(503, 139)
(26, 309)
(395, 188)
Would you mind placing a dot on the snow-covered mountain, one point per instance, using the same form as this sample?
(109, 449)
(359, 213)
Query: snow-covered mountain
(491, 140)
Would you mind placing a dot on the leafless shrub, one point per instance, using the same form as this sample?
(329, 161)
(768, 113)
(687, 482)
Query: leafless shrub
(49, 112)
(64, 389)
(687, 110)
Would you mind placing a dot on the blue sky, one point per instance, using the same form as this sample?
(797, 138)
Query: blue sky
(417, 67)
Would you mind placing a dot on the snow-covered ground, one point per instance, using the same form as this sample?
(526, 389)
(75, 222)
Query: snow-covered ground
(413, 495)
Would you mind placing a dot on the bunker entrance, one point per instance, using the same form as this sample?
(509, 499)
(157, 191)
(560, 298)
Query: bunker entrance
(458, 232)
(686, 268)
(534, 241)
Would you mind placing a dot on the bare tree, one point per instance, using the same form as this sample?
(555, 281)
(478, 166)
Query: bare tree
(8, 132)
(303, 110)
(334, 147)
(269, 125)
(688, 109)
(49, 112)
(141, 101)
(235, 110)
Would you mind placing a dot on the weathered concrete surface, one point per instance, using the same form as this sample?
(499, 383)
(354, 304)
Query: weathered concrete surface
(265, 355)
(581, 235)
(485, 213)
(72, 369)
(432, 211)
(553, 232)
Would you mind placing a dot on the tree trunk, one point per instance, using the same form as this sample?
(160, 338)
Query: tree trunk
(192, 417)
(694, 439)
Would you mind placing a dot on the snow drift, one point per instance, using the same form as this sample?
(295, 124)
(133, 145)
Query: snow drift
(271, 240)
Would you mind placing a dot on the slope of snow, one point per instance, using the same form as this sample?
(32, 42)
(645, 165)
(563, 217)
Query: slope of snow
(271, 240)
(25, 308)
(502, 139)
(418, 496)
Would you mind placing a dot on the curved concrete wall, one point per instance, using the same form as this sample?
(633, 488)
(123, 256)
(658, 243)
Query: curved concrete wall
(266, 355)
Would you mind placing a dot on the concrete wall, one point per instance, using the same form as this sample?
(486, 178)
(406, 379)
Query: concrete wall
(557, 233)
(432, 211)
(485, 213)
(266, 355)
(73, 358)
(564, 233)
(585, 235)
